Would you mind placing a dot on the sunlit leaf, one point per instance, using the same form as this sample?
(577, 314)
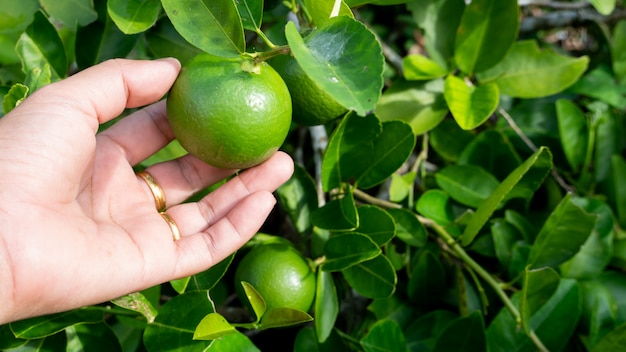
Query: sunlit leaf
(71, 12)
(354, 78)
(213, 26)
(213, 326)
(41, 45)
(134, 16)
(470, 105)
(139, 303)
(487, 30)
(528, 72)
(281, 317)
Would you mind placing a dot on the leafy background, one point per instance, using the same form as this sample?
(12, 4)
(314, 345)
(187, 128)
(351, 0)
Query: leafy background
(472, 198)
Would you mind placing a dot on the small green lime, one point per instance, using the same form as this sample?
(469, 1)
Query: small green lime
(311, 105)
(230, 113)
(280, 274)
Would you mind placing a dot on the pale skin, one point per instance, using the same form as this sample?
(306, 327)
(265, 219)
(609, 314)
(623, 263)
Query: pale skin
(78, 227)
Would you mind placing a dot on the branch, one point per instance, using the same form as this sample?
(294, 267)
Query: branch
(555, 4)
(566, 18)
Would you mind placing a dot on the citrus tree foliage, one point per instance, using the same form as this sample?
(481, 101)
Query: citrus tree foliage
(472, 198)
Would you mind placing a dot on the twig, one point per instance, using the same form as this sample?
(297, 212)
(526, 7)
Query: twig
(319, 139)
(555, 174)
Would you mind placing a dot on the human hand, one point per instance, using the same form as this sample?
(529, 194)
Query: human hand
(78, 227)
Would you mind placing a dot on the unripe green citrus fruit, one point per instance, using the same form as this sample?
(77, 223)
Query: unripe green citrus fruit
(311, 105)
(280, 274)
(230, 113)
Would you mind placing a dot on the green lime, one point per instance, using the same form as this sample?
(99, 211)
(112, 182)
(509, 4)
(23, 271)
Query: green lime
(230, 113)
(280, 274)
(311, 105)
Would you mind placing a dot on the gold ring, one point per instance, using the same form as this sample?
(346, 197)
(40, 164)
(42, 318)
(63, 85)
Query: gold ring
(173, 226)
(157, 191)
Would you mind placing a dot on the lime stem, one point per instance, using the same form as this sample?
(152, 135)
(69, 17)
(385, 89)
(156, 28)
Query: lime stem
(266, 55)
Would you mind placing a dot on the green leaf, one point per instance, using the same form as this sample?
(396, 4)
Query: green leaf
(595, 254)
(417, 67)
(92, 337)
(504, 235)
(439, 19)
(492, 151)
(307, 341)
(604, 7)
(467, 184)
(281, 317)
(337, 214)
(599, 83)
(395, 308)
(376, 223)
(174, 326)
(345, 250)
(436, 205)
(298, 196)
(599, 311)
(420, 104)
(233, 342)
(523, 181)
(554, 323)
(401, 186)
(251, 12)
(38, 327)
(463, 334)
(488, 29)
(326, 305)
(71, 12)
(562, 235)
(391, 149)
(349, 149)
(422, 334)
(375, 278)
(517, 75)
(134, 16)
(448, 140)
(613, 341)
(354, 78)
(256, 301)
(408, 228)
(137, 302)
(209, 278)
(14, 97)
(38, 77)
(618, 51)
(164, 41)
(384, 335)
(213, 326)
(213, 26)
(539, 285)
(100, 41)
(608, 138)
(573, 131)
(41, 45)
(427, 281)
(470, 105)
(619, 173)
(320, 10)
